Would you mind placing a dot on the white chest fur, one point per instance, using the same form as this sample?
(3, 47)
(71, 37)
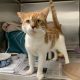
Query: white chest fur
(36, 44)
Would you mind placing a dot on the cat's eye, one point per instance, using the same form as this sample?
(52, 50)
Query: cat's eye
(27, 21)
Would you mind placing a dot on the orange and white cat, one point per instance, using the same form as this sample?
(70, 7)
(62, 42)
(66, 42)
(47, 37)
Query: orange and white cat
(42, 37)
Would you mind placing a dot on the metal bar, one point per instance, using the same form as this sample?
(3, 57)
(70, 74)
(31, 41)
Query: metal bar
(19, 4)
(39, 1)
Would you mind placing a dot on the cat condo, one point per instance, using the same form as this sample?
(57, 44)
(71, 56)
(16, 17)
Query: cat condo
(68, 16)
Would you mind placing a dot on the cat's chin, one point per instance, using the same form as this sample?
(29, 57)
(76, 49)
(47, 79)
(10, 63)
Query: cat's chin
(31, 33)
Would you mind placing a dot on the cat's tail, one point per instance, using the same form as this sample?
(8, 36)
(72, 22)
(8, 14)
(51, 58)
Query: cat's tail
(54, 15)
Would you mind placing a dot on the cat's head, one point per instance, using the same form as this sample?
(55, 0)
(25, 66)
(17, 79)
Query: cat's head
(34, 22)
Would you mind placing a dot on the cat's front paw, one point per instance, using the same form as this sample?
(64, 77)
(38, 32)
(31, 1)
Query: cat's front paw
(40, 76)
(29, 72)
(67, 62)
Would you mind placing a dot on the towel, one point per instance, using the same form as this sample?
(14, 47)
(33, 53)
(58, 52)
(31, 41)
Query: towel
(18, 64)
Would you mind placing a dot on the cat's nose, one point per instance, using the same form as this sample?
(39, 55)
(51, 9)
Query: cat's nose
(33, 27)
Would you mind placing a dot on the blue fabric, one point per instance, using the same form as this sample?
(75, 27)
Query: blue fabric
(16, 42)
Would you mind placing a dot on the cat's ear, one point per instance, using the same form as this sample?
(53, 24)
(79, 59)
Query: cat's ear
(45, 12)
(21, 15)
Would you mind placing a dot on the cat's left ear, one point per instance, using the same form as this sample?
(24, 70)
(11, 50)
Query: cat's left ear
(21, 15)
(45, 12)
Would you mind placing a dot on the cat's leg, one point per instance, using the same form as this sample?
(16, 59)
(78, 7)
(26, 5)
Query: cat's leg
(31, 63)
(60, 45)
(41, 62)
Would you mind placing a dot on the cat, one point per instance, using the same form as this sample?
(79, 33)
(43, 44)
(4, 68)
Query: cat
(42, 37)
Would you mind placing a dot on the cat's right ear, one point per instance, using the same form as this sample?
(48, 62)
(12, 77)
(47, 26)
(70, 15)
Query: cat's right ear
(20, 15)
(45, 12)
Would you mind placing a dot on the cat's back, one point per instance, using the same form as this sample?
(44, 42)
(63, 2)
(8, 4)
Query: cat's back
(53, 29)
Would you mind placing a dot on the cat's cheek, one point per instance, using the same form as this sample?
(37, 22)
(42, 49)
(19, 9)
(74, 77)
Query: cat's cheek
(23, 29)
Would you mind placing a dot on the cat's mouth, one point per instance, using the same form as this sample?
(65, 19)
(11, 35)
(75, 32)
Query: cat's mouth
(31, 32)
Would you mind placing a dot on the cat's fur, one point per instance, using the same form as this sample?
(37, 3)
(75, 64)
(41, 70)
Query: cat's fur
(42, 37)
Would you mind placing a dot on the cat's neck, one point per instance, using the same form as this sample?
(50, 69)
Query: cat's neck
(35, 36)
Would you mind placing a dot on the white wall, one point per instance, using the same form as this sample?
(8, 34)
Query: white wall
(8, 12)
(68, 15)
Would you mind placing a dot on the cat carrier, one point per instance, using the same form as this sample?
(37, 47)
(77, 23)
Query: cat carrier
(11, 38)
